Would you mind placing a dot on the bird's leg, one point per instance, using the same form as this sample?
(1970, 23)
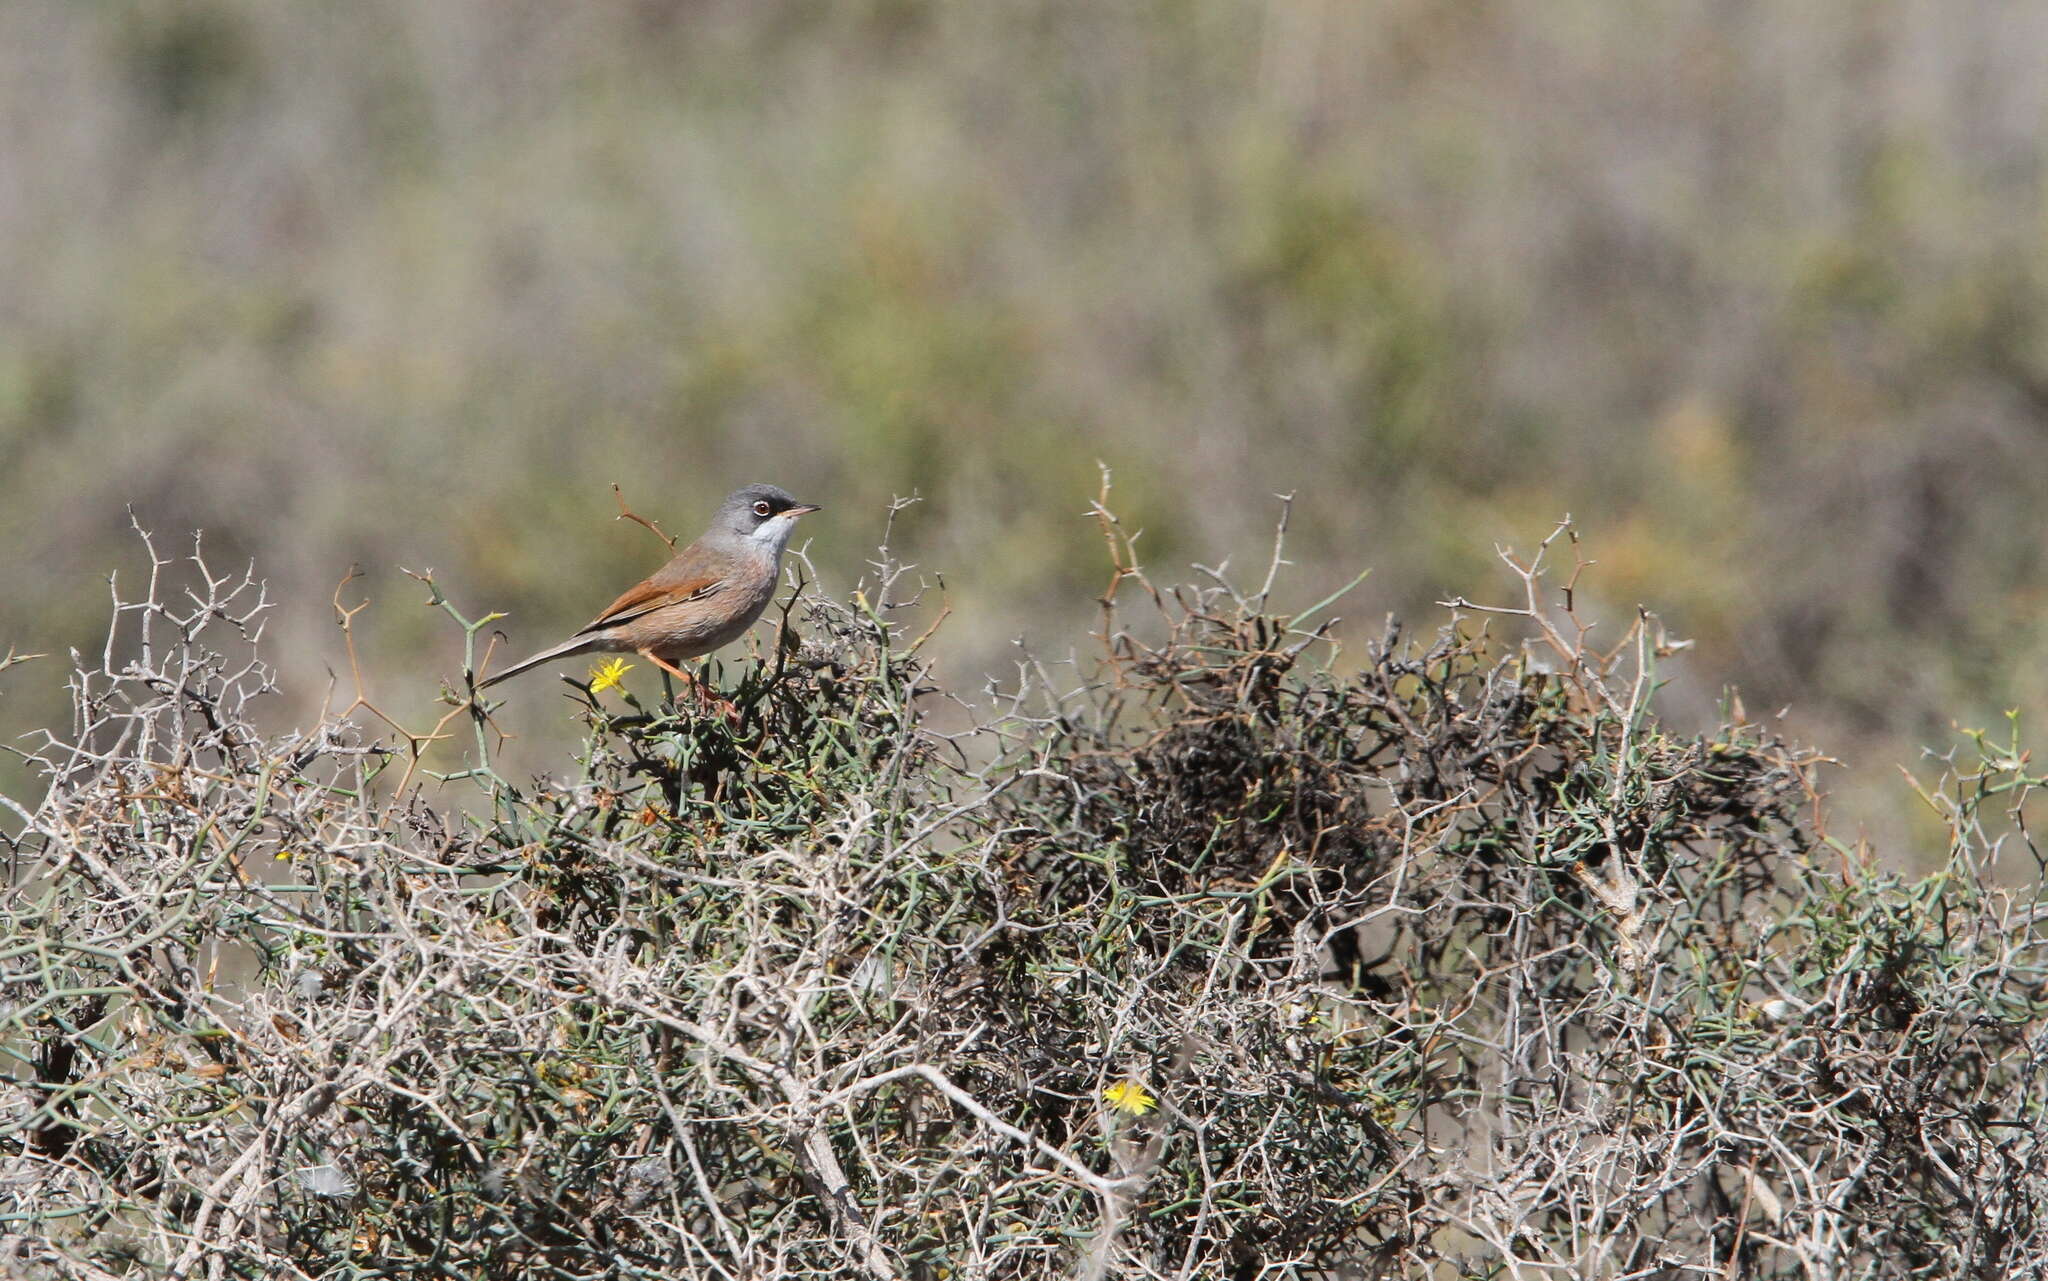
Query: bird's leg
(696, 685)
(712, 703)
(689, 681)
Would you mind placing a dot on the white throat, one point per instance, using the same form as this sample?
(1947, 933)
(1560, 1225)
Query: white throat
(773, 535)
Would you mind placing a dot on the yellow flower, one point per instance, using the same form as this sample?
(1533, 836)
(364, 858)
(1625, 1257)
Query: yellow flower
(1130, 1097)
(605, 675)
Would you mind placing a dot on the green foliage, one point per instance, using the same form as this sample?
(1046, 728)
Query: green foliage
(1212, 957)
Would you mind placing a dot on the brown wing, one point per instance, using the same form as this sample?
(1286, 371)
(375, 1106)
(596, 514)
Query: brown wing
(690, 576)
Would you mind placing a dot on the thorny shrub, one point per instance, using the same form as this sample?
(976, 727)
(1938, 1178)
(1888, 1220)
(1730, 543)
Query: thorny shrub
(1215, 958)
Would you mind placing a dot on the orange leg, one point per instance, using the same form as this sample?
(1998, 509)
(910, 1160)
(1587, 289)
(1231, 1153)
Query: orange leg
(694, 685)
(677, 672)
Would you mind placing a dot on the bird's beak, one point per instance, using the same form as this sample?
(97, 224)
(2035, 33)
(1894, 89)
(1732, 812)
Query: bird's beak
(802, 509)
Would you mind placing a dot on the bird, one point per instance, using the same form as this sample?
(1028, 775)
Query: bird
(705, 598)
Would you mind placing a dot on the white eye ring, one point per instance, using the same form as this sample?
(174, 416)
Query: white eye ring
(761, 508)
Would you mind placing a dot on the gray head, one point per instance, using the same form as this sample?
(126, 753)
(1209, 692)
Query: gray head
(761, 514)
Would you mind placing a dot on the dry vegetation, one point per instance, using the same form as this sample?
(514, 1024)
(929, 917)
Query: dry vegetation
(1202, 958)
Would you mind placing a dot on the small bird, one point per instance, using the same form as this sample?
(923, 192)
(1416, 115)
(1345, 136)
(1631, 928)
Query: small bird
(705, 598)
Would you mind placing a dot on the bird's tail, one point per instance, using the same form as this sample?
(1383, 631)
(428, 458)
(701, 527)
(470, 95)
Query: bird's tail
(574, 645)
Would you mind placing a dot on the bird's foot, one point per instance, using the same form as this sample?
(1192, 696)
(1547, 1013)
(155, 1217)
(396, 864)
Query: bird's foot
(723, 708)
(699, 692)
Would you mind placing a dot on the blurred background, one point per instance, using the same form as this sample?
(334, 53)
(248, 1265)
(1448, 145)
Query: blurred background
(1755, 291)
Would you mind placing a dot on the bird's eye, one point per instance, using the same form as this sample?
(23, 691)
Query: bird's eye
(761, 508)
